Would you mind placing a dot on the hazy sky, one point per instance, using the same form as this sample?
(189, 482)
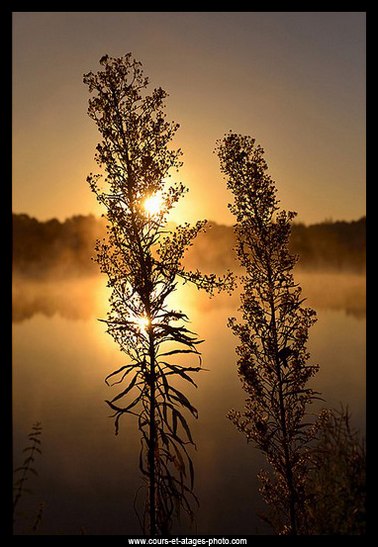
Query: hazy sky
(294, 80)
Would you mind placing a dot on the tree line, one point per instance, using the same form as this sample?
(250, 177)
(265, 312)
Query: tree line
(67, 247)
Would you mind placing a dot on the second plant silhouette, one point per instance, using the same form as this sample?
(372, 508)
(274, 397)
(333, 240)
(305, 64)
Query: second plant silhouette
(272, 356)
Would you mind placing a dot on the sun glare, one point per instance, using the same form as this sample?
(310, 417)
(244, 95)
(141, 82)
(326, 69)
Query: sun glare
(143, 323)
(153, 204)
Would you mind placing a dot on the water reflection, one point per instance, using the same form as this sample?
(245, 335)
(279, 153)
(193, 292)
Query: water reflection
(70, 298)
(85, 297)
(87, 476)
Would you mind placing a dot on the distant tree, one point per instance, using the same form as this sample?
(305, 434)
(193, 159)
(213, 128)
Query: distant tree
(143, 261)
(337, 245)
(272, 334)
(42, 248)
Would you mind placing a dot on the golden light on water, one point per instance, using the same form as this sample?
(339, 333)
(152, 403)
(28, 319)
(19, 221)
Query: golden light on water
(153, 204)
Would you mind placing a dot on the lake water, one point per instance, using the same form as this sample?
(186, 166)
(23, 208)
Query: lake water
(88, 477)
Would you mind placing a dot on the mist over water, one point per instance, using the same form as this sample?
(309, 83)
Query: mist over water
(88, 477)
(86, 297)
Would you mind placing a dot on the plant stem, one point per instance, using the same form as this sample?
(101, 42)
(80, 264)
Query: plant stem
(285, 442)
(152, 440)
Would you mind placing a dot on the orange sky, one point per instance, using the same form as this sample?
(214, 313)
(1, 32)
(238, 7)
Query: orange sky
(294, 81)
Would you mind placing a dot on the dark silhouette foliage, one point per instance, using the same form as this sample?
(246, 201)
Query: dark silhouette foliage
(142, 258)
(25, 472)
(273, 331)
(336, 483)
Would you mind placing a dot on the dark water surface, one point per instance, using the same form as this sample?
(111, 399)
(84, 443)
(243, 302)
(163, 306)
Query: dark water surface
(88, 477)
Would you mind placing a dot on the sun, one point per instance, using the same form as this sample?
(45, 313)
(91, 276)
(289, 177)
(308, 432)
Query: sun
(143, 323)
(153, 204)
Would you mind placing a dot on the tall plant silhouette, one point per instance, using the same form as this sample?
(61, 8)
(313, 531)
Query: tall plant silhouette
(272, 354)
(142, 258)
